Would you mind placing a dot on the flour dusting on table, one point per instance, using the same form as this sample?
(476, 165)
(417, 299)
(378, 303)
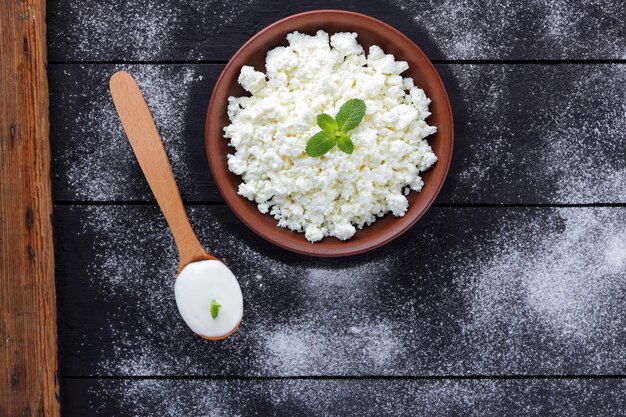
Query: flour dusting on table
(101, 165)
(540, 146)
(148, 397)
(503, 297)
(560, 283)
(143, 29)
(586, 141)
(125, 269)
(553, 29)
(358, 397)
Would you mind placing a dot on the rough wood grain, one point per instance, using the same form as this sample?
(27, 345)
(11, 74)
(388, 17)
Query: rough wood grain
(467, 291)
(524, 134)
(363, 397)
(28, 361)
(446, 29)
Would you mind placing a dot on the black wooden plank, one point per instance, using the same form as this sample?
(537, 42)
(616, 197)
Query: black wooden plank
(467, 291)
(91, 156)
(445, 29)
(301, 397)
(530, 134)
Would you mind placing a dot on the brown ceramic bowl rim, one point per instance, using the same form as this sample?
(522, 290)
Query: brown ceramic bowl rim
(235, 201)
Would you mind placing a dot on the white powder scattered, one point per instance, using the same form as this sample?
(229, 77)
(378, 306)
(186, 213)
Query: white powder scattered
(465, 29)
(135, 265)
(135, 260)
(561, 143)
(169, 398)
(541, 291)
(342, 317)
(557, 282)
(100, 164)
(615, 253)
(365, 397)
(539, 29)
(125, 269)
(141, 30)
(484, 95)
(317, 348)
(584, 136)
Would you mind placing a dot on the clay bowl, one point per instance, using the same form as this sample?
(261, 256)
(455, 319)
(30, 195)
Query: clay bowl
(370, 31)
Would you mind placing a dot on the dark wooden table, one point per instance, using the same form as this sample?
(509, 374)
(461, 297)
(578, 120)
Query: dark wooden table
(507, 298)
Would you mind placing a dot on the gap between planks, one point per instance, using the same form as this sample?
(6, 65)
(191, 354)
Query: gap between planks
(434, 61)
(444, 205)
(346, 377)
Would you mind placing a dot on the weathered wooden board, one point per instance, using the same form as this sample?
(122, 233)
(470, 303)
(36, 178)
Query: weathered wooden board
(28, 351)
(362, 397)
(467, 291)
(525, 134)
(446, 29)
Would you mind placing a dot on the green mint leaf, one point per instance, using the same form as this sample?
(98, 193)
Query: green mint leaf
(327, 123)
(320, 143)
(344, 143)
(215, 308)
(350, 114)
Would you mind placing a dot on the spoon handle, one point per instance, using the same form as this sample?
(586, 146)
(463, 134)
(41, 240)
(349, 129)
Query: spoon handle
(148, 147)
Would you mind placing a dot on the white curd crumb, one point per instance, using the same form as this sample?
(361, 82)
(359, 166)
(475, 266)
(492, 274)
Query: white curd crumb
(398, 204)
(313, 234)
(336, 193)
(346, 44)
(344, 231)
(250, 79)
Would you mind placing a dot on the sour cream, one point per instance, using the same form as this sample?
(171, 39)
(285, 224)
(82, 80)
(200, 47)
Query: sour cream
(196, 286)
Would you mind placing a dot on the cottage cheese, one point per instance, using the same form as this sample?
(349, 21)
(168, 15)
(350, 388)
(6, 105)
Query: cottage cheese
(334, 194)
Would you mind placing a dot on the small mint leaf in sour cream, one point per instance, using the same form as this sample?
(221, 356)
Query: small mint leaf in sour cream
(215, 308)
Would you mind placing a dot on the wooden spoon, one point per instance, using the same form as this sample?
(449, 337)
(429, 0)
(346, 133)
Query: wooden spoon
(150, 152)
